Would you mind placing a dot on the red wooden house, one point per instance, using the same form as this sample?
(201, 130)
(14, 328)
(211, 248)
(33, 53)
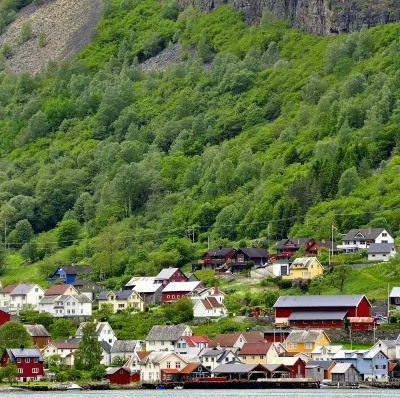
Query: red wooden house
(177, 290)
(121, 376)
(296, 365)
(213, 258)
(168, 275)
(320, 311)
(29, 362)
(4, 315)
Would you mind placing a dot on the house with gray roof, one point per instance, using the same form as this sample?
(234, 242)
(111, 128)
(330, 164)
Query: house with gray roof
(163, 338)
(88, 288)
(388, 347)
(358, 239)
(151, 293)
(25, 294)
(126, 348)
(168, 275)
(39, 335)
(104, 332)
(381, 251)
(345, 373)
(67, 306)
(241, 371)
(212, 357)
(119, 300)
(29, 362)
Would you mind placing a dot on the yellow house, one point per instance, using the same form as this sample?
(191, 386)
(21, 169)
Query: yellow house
(305, 267)
(305, 340)
(121, 300)
(256, 353)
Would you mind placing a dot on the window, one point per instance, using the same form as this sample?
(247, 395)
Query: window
(173, 296)
(35, 370)
(121, 305)
(27, 360)
(261, 356)
(36, 360)
(333, 322)
(305, 322)
(168, 365)
(20, 370)
(244, 357)
(323, 322)
(384, 234)
(253, 357)
(162, 342)
(293, 346)
(308, 346)
(177, 365)
(68, 303)
(18, 360)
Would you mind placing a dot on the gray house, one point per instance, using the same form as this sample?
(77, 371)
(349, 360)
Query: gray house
(315, 372)
(345, 373)
(88, 288)
(151, 293)
(126, 348)
(381, 251)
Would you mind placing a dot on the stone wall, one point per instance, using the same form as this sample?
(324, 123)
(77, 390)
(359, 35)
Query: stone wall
(362, 336)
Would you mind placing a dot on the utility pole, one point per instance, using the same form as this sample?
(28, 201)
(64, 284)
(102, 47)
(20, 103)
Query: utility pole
(5, 242)
(193, 233)
(208, 242)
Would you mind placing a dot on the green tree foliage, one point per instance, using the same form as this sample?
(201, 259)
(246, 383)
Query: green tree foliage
(22, 233)
(203, 49)
(14, 335)
(42, 40)
(67, 232)
(180, 311)
(9, 372)
(62, 328)
(38, 126)
(26, 31)
(98, 372)
(349, 181)
(89, 353)
(340, 275)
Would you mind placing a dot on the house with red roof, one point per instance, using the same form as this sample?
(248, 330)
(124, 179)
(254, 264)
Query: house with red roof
(255, 353)
(191, 345)
(236, 340)
(61, 289)
(209, 307)
(5, 295)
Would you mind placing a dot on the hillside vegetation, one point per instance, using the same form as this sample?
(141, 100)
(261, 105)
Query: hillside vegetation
(132, 171)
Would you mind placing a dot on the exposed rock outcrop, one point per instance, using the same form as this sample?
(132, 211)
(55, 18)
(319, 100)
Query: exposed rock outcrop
(322, 17)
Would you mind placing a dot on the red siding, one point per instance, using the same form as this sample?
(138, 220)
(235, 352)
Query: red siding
(41, 341)
(25, 366)
(318, 324)
(362, 326)
(4, 317)
(171, 297)
(298, 368)
(121, 376)
(178, 276)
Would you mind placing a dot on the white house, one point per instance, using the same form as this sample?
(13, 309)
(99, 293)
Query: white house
(211, 358)
(209, 307)
(358, 239)
(66, 306)
(25, 294)
(397, 344)
(191, 345)
(381, 251)
(104, 332)
(64, 348)
(388, 347)
(326, 352)
(394, 297)
(164, 338)
(126, 348)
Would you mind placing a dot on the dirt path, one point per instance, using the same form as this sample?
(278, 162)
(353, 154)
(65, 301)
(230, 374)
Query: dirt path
(67, 25)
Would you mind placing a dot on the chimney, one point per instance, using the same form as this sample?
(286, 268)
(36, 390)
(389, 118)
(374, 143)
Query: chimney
(218, 346)
(22, 347)
(216, 291)
(220, 248)
(369, 230)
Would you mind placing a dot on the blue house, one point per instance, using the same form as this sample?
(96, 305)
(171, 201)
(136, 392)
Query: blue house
(372, 365)
(68, 273)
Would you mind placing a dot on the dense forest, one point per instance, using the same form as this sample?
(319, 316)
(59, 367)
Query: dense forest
(259, 128)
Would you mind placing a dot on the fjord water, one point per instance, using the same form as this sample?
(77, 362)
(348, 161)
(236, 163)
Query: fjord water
(323, 393)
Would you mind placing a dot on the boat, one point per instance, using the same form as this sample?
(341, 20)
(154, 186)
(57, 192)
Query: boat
(74, 387)
(178, 388)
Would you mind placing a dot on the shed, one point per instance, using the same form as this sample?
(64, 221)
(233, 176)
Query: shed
(344, 373)
(315, 372)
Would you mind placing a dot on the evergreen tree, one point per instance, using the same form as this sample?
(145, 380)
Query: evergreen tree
(203, 49)
(89, 353)
(349, 181)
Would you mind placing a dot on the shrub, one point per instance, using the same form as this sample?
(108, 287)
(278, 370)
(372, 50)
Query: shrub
(26, 31)
(42, 40)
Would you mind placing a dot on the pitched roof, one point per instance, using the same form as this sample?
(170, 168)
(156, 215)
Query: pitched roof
(317, 315)
(49, 299)
(325, 364)
(332, 349)
(5, 309)
(99, 328)
(22, 289)
(297, 242)
(377, 248)
(254, 252)
(395, 292)
(192, 340)
(165, 274)
(367, 233)
(72, 269)
(255, 348)
(113, 370)
(167, 332)
(119, 294)
(142, 354)
(220, 252)
(237, 368)
(15, 353)
(304, 336)
(37, 330)
(190, 368)
(319, 301)
(391, 366)
(229, 339)
(190, 274)
(80, 282)
(342, 368)
(69, 344)
(147, 287)
(303, 262)
(181, 287)
(106, 347)
(56, 290)
(136, 280)
(9, 288)
(287, 361)
(387, 343)
(124, 346)
(211, 302)
(156, 356)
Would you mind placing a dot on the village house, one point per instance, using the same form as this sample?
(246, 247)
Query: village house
(25, 294)
(304, 267)
(314, 372)
(191, 345)
(168, 275)
(305, 341)
(276, 335)
(191, 277)
(149, 293)
(320, 311)
(39, 335)
(209, 307)
(381, 251)
(5, 295)
(104, 332)
(327, 366)
(69, 272)
(314, 248)
(345, 373)
(136, 280)
(325, 352)
(213, 258)
(388, 347)
(133, 363)
(29, 362)
(360, 322)
(211, 358)
(372, 365)
(254, 353)
(204, 292)
(79, 307)
(65, 348)
(164, 338)
(61, 289)
(121, 375)
(162, 365)
(4, 315)
(236, 340)
(394, 297)
(88, 288)
(237, 262)
(358, 239)
(121, 300)
(296, 365)
(125, 348)
(176, 290)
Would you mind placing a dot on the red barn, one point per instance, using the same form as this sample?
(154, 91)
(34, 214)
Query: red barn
(296, 365)
(29, 362)
(276, 336)
(177, 290)
(361, 323)
(121, 376)
(4, 315)
(320, 311)
(168, 275)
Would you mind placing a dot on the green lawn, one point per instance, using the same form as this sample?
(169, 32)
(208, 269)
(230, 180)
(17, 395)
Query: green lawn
(354, 346)
(23, 273)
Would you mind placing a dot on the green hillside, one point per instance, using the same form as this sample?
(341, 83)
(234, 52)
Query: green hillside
(267, 127)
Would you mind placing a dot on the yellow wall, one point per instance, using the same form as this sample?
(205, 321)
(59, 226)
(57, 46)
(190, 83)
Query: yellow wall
(134, 301)
(317, 269)
(322, 340)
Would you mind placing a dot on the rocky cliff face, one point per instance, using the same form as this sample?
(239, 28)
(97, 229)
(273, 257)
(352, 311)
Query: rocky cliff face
(322, 17)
